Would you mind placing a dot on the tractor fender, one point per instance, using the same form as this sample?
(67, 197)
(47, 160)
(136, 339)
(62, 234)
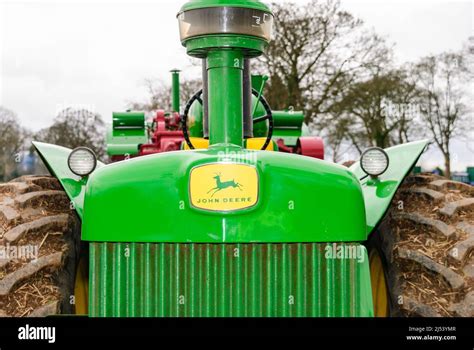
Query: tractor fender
(55, 159)
(378, 192)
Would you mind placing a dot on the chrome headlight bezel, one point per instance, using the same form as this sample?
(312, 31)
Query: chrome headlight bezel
(366, 154)
(89, 170)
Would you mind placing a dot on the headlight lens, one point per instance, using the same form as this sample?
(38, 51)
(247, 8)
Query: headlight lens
(82, 161)
(374, 161)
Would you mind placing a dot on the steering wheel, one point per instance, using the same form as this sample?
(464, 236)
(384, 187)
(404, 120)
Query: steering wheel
(268, 116)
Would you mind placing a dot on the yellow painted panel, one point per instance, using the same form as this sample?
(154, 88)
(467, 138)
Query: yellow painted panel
(224, 186)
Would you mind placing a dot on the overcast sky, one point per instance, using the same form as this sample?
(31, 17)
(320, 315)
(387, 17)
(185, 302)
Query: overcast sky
(96, 54)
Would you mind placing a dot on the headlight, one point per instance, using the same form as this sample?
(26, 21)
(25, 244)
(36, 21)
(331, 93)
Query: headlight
(374, 161)
(82, 161)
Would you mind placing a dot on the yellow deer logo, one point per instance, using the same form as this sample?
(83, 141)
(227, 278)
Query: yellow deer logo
(222, 185)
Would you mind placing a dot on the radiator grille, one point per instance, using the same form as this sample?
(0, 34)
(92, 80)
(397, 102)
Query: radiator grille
(213, 280)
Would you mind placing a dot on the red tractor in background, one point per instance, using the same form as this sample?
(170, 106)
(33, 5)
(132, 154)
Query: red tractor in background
(131, 136)
(166, 134)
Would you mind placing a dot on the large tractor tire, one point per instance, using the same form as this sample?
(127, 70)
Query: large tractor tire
(422, 255)
(40, 231)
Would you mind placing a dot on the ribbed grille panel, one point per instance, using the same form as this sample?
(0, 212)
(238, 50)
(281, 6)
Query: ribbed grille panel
(160, 279)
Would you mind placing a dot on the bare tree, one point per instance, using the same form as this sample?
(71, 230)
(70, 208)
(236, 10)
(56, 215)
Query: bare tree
(76, 127)
(379, 112)
(337, 134)
(444, 97)
(159, 95)
(468, 52)
(12, 137)
(317, 51)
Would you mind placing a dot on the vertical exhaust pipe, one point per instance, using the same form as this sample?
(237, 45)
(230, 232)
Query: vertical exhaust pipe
(247, 100)
(175, 102)
(205, 102)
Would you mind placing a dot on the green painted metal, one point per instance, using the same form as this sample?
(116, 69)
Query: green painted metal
(470, 171)
(259, 91)
(257, 81)
(301, 199)
(224, 280)
(125, 141)
(288, 126)
(55, 159)
(288, 119)
(195, 120)
(175, 104)
(198, 4)
(259, 129)
(125, 120)
(224, 69)
(290, 136)
(199, 46)
(126, 133)
(378, 192)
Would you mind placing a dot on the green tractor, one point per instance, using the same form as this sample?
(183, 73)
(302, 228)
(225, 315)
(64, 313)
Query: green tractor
(226, 230)
(129, 136)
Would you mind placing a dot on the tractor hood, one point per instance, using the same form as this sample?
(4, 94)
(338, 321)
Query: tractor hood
(223, 195)
(275, 197)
